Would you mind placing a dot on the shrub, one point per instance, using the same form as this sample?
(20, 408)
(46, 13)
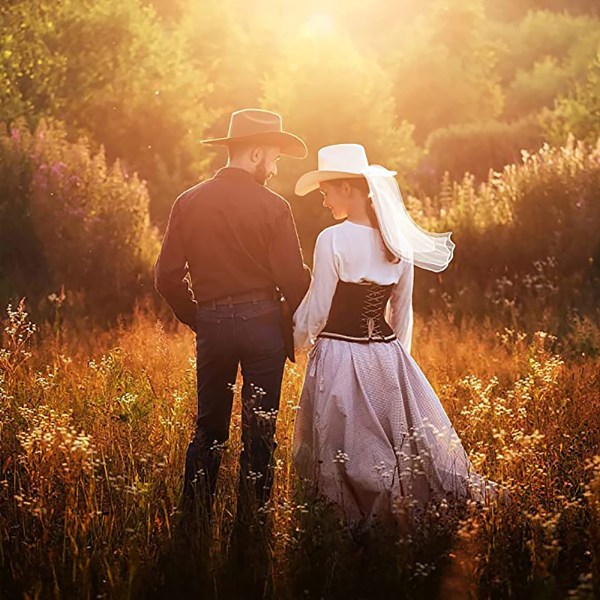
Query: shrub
(478, 147)
(526, 240)
(21, 257)
(88, 221)
(579, 112)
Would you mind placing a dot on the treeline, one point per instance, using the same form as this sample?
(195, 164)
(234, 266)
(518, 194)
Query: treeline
(449, 86)
(148, 79)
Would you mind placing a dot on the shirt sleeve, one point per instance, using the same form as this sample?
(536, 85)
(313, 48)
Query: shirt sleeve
(171, 270)
(312, 314)
(400, 310)
(291, 275)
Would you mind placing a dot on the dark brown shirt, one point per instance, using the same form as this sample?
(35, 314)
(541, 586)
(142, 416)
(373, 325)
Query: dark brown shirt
(233, 236)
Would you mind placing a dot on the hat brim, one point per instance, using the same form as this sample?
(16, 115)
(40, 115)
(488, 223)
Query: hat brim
(310, 181)
(289, 144)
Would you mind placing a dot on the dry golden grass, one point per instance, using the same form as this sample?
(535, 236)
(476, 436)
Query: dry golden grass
(93, 433)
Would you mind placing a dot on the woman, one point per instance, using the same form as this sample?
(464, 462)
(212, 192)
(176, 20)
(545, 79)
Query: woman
(370, 431)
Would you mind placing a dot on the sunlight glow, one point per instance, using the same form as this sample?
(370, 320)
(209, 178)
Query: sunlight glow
(319, 24)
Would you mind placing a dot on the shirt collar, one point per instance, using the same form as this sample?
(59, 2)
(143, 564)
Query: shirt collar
(235, 173)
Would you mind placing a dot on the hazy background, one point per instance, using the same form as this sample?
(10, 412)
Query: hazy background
(434, 89)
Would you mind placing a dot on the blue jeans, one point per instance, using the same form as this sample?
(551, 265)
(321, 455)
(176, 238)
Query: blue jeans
(249, 334)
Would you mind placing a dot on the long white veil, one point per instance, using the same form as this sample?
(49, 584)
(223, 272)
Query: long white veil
(402, 236)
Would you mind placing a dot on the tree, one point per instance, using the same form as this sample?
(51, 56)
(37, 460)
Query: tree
(114, 72)
(330, 93)
(534, 89)
(577, 114)
(542, 57)
(31, 73)
(139, 93)
(445, 74)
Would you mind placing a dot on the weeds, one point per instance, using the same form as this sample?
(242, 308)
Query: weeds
(92, 442)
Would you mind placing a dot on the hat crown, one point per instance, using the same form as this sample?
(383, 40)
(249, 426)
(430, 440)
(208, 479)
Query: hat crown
(250, 121)
(347, 158)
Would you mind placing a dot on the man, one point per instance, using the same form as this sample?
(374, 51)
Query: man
(237, 241)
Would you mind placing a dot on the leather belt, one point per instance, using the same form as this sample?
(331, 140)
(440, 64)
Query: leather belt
(251, 296)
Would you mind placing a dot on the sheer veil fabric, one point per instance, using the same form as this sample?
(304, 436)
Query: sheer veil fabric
(402, 236)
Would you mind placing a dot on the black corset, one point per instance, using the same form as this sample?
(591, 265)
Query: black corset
(357, 313)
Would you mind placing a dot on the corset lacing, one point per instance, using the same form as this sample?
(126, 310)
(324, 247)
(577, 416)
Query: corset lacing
(357, 313)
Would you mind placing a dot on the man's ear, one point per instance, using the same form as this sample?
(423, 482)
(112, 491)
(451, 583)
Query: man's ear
(257, 154)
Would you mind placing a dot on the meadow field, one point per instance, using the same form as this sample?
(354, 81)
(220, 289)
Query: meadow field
(489, 112)
(94, 427)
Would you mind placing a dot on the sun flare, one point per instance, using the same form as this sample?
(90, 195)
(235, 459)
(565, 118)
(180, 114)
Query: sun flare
(320, 24)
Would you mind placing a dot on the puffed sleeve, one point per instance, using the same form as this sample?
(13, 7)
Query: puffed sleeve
(311, 315)
(400, 310)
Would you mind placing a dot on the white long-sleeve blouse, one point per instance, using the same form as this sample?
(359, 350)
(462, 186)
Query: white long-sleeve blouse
(354, 253)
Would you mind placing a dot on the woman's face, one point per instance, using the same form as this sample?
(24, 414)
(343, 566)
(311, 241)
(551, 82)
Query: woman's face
(335, 198)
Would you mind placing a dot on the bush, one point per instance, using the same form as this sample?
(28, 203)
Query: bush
(141, 93)
(579, 112)
(21, 257)
(526, 240)
(87, 221)
(476, 148)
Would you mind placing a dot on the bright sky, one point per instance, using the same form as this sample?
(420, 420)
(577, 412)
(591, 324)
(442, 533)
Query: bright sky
(320, 24)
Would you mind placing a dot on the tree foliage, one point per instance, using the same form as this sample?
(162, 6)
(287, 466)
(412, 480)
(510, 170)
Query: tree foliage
(84, 222)
(445, 73)
(578, 113)
(541, 57)
(331, 93)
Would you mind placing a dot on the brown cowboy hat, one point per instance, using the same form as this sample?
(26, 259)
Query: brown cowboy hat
(264, 126)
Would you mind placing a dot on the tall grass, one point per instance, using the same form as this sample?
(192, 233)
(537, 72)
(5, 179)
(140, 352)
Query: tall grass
(527, 241)
(93, 432)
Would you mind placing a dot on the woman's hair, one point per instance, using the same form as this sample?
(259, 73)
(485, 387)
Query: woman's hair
(360, 184)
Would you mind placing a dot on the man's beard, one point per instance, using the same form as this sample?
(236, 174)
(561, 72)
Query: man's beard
(261, 175)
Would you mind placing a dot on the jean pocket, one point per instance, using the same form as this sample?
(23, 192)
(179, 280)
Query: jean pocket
(209, 333)
(264, 331)
(209, 315)
(258, 309)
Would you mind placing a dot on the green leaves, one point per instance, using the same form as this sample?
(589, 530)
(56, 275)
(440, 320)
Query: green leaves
(89, 220)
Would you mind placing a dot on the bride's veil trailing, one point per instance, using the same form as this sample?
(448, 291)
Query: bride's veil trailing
(402, 236)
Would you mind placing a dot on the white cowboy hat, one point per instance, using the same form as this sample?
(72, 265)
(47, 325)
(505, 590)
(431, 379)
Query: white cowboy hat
(340, 161)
